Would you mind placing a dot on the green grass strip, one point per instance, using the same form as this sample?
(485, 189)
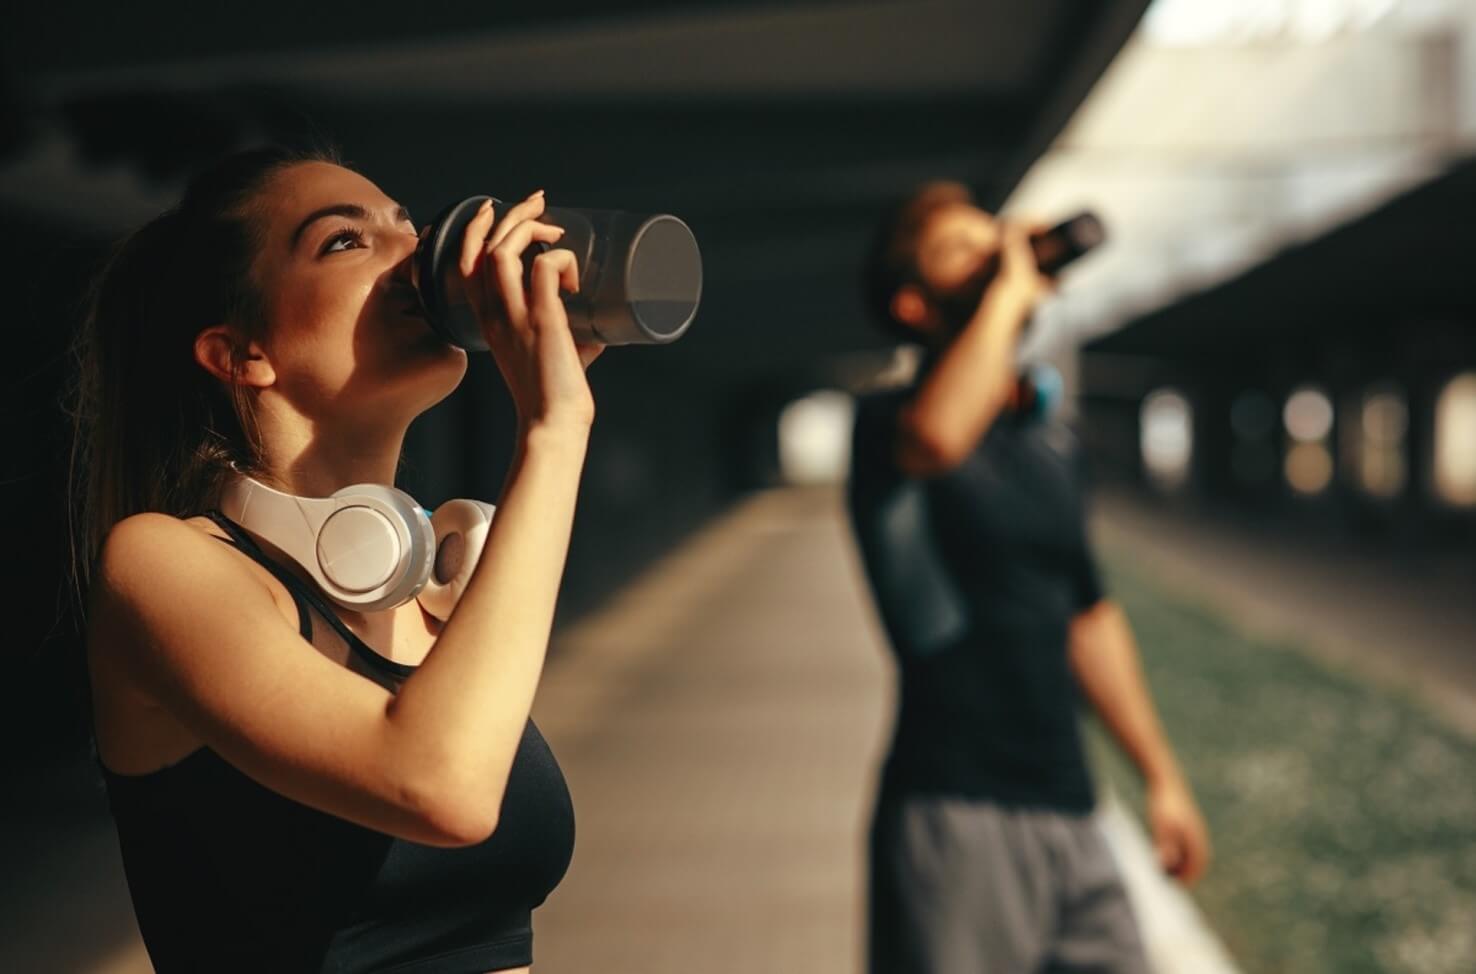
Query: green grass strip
(1343, 813)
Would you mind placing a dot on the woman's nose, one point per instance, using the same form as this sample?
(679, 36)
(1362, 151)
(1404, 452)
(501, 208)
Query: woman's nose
(400, 273)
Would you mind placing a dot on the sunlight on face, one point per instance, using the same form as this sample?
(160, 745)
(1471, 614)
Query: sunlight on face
(343, 331)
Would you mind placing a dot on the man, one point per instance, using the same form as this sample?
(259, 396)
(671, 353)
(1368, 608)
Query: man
(968, 510)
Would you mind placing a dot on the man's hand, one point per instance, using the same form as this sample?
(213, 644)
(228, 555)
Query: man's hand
(1019, 281)
(1179, 833)
(1104, 656)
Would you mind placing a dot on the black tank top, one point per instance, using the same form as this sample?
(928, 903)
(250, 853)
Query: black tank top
(227, 875)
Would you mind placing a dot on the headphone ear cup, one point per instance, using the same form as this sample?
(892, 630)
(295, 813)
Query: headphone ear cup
(460, 534)
(405, 575)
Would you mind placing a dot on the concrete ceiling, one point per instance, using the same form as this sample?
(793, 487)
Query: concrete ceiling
(1403, 264)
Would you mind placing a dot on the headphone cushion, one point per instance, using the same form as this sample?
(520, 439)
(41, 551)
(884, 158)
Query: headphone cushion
(460, 528)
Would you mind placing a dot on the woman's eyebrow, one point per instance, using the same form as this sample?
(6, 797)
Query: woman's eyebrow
(351, 210)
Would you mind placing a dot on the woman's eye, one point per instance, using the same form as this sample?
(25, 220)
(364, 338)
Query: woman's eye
(348, 235)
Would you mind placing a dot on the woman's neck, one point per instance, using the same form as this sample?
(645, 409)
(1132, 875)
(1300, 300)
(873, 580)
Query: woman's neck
(315, 462)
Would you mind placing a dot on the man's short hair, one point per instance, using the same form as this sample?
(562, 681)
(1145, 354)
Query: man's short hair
(891, 260)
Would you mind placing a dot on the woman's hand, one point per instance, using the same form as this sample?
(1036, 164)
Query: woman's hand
(525, 324)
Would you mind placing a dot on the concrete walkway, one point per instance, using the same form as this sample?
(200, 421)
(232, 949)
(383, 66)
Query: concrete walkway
(719, 724)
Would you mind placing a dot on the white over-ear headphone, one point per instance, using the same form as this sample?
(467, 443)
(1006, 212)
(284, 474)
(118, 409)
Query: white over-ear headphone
(368, 546)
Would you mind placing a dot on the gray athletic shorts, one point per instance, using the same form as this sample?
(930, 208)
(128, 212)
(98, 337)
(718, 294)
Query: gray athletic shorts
(968, 887)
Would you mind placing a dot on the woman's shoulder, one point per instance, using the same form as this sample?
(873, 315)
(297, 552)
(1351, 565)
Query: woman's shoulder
(158, 566)
(157, 577)
(162, 526)
(152, 541)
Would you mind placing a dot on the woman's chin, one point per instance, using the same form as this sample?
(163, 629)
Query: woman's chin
(448, 368)
(438, 364)
(416, 374)
(426, 344)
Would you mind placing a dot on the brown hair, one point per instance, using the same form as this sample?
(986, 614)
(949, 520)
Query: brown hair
(152, 430)
(891, 261)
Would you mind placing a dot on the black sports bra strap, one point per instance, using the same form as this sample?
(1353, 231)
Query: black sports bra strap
(302, 591)
(304, 617)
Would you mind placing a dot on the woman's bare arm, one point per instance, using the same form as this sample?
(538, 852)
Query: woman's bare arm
(201, 636)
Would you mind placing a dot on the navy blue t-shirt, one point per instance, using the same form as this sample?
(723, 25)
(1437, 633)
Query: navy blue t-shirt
(977, 574)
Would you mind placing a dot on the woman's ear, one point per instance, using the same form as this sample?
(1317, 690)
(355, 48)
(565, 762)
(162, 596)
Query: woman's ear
(220, 352)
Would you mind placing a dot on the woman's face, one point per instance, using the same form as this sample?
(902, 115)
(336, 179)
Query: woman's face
(344, 334)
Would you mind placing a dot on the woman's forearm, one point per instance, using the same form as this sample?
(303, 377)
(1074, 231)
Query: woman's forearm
(458, 719)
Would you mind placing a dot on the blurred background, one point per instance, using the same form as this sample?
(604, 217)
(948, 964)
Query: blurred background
(1272, 364)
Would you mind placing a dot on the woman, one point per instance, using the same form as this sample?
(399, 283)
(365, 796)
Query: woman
(299, 788)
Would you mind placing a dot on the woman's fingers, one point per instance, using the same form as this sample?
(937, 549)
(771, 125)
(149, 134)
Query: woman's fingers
(481, 234)
(507, 264)
(553, 270)
(474, 241)
(529, 209)
(560, 262)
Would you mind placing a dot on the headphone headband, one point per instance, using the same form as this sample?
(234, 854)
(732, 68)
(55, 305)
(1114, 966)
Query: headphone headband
(368, 546)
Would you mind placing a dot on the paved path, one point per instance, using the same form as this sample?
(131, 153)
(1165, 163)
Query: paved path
(718, 723)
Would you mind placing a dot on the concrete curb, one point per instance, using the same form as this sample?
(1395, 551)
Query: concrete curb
(1178, 939)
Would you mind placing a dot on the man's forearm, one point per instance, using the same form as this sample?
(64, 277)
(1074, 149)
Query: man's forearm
(1104, 656)
(961, 397)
